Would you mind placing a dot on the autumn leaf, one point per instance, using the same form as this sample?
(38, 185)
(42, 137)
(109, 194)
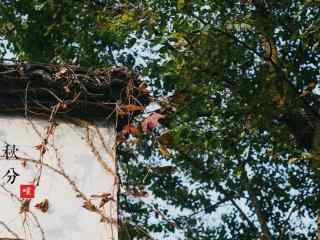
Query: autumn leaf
(136, 193)
(89, 206)
(130, 129)
(134, 141)
(43, 206)
(126, 130)
(151, 121)
(105, 200)
(120, 112)
(41, 148)
(134, 108)
(103, 195)
(164, 151)
(130, 108)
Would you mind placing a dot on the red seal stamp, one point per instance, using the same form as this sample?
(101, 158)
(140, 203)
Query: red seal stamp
(27, 191)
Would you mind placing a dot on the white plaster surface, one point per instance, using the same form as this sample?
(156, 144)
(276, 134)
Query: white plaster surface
(66, 219)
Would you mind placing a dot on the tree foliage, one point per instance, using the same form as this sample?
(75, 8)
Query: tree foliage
(236, 154)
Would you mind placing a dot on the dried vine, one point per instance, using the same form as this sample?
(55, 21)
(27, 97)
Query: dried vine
(82, 96)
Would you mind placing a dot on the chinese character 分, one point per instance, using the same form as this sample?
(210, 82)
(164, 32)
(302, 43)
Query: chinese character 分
(11, 174)
(9, 151)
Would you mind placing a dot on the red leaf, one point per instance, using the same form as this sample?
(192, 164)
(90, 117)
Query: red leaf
(39, 147)
(50, 129)
(151, 121)
(129, 128)
(43, 206)
(131, 108)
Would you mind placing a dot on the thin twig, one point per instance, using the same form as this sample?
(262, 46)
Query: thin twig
(285, 222)
(9, 230)
(70, 181)
(38, 225)
(98, 156)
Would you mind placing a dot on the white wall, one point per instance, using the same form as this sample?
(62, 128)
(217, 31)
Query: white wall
(89, 170)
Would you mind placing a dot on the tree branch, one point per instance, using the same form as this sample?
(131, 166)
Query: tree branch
(212, 207)
(242, 214)
(231, 197)
(285, 222)
(256, 205)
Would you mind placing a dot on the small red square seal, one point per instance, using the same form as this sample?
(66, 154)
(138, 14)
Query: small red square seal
(27, 191)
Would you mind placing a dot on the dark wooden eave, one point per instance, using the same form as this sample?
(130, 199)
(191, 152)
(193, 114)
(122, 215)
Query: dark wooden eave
(36, 89)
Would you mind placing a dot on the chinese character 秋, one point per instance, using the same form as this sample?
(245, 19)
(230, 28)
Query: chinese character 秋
(27, 191)
(9, 151)
(11, 174)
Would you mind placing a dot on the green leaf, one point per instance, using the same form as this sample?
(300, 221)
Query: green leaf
(180, 4)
